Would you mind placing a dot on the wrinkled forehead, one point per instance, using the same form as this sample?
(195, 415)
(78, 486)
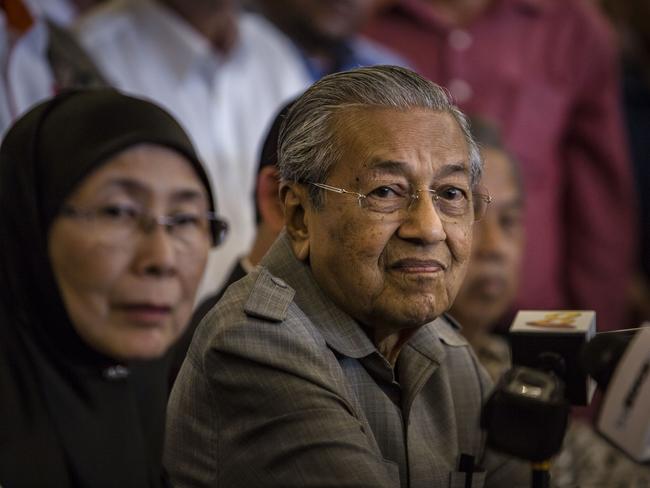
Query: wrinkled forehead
(399, 141)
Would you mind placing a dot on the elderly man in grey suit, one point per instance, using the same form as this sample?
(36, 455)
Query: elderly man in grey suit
(333, 363)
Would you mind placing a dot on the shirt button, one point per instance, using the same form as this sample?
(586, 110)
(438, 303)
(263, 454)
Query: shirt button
(279, 282)
(117, 372)
(459, 39)
(460, 90)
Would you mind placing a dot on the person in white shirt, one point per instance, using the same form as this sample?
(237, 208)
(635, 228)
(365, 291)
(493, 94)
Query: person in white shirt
(40, 57)
(61, 12)
(222, 73)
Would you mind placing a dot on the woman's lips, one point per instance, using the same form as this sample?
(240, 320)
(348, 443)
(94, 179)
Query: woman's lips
(145, 313)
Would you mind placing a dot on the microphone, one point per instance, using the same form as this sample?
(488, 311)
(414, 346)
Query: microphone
(620, 363)
(601, 355)
(552, 341)
(527, 414)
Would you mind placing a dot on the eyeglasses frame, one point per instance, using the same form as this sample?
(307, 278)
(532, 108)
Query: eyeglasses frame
(218, 226)
(413, 196)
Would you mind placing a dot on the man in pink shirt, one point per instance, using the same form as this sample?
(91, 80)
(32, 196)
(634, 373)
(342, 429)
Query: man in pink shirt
(546, 71)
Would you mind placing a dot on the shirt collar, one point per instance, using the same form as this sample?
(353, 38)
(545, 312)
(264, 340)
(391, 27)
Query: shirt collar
(344, 59)
(431, 339)
(186, 48)
(341, 332)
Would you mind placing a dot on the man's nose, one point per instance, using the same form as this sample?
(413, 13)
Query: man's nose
(422, 222)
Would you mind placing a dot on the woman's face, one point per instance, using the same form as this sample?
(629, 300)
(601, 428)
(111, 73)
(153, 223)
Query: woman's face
(129, 287)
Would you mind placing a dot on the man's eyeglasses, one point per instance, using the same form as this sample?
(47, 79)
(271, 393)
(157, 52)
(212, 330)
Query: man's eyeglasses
(452, 203)
(116, 224)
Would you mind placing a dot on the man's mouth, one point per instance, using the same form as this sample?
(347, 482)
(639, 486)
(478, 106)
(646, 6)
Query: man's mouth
(418, 266)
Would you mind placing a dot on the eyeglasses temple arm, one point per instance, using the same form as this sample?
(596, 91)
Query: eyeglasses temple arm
(330, 188)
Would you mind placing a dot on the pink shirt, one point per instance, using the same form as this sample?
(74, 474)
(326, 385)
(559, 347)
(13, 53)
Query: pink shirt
(546, 71)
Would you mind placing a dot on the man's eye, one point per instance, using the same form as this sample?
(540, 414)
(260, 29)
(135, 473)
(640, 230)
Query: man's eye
(118, 212)
(187, 220)
(385, 192)
(451, 193)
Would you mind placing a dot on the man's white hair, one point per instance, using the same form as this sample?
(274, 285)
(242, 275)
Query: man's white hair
(308, 147)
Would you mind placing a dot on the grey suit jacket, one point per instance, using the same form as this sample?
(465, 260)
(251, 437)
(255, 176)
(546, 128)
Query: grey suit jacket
(280, 388)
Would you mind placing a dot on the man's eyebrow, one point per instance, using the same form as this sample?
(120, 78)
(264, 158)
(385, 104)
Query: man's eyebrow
(395, 167)
(388, 166)
(452, 168)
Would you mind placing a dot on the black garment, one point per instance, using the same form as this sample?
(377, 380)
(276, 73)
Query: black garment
(70, 416)
(636, 104)
(179, 350)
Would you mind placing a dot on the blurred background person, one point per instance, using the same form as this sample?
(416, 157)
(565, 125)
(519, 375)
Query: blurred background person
(222, 73)
(631, 19)
(61, 12)
(39, 54)
(487, 294)
(493, 276)
(269, 218)
(326, 35)
(546, 73)
(106, 218)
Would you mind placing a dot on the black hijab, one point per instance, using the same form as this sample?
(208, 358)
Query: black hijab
(70, 416)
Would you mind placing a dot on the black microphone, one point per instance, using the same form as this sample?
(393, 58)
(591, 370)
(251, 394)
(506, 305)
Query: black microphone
(552, 341)
(526, 415)
(600, 356)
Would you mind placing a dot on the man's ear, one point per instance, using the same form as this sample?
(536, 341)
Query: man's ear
(268, 200)
(295, 200)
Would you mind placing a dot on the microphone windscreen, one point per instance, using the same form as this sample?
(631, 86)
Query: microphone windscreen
(526, 415)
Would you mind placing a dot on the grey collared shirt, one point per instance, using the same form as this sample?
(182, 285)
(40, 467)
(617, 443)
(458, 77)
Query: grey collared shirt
(281, 388)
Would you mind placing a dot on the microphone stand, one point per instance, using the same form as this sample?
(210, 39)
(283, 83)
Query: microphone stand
(541, 476)
(526, 416)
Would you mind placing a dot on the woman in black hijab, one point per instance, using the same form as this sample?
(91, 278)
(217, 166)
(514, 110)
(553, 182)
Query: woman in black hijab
(105, 225)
